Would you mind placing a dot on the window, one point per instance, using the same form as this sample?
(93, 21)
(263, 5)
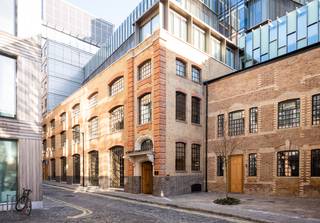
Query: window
(198, 38)
(178, 25)
(289, 114)
(147, 145)
(150, 27)
(7, 84)
(63, 139)
(8, 16)
(53, 169)
(144, 70)
(195, 110)
(196, 74)
(288, 163)
(252, 165)
(253, 121)
(52, 125)
(76, 134)
(230, 57)
(63, 169)
(221, 125)
(76, 110)
(93, 100)
(195, 157)
(315, 163)
(220, 166)
(180, 68)
(117, 119)
(63, 118)
(116, 86)
(53, 142)
(93, 128)
(236, 123)
(316, 109)
(180, 106)
(180, 156)
(145, 109)
(44, 145)
(216, 48)
(44, 129)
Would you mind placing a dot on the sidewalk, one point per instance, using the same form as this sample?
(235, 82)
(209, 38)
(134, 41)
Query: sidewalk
(256, 208)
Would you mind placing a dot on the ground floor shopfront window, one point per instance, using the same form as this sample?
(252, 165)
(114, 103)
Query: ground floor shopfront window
(8, 169)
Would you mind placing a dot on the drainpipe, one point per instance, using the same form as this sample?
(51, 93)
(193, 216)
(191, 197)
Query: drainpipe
(83, 159)
(206, 143)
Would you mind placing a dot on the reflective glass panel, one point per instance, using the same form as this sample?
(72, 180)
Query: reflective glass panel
(302, 23)
(256, 38)
(282, 33)
(292, 21)
(292, 42)
(273, 49)
(264, 39)
(312, 12)
(313, 34)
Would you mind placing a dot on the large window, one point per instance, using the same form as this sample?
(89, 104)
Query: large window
(7, 84)
(116, 119)
(146, 145)
(236, 123)
(220, 166)
(315, 163)
(144, 70)
(196, 74)
(215, 48)
(76, 110)
(63, 117)
(94, 127)
(289, 114)
(63, 139)
(145, 109)
(220, 132)
(180, 156)
(180, 106)
(53, 143)
(93, 100)
(52, 125)
(199, 38)
(8, 169)
(288, 163)
(181, 68)
(76, 134)
(116, 86)
(253, 121)
(147, 29)
(195, 110)
(316, 109)
(8, 16)
(178, 25)
(195, 157)
(63, 168)
(252, 164)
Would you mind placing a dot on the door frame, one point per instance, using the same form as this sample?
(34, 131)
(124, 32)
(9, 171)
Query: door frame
(142, 176)
(229, 172)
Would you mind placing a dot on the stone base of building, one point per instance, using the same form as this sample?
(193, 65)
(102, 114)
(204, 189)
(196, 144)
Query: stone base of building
(132, 184)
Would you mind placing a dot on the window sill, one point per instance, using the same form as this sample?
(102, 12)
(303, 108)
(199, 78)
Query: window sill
(196, 124)
(196, 171)
(184, 77)
(181, 171)
(182, 121)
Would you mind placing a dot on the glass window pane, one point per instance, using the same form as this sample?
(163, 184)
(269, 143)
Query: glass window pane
(301, 43)
(292, 21)
(273, 49)
(249, 46)
(282, 51)
(282, 33)
(312, 12)
(256, 38)
(302, 23)
(7, 16)
(215, 48)
(7, 86)
(273, 27)
(292, 42)
(313, 34)
(256, 55)
(264, 39)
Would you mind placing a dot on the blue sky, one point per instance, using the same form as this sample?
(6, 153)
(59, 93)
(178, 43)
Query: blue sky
(114, 11)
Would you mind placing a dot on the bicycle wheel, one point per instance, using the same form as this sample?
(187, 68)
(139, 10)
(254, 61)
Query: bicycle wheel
(28, 207)
(21, 203)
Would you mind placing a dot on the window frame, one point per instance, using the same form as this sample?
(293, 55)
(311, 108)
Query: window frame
(253, 120)
(116, 119)
(252, 165)
(93, 100)
(195, 157)
(193, 78)
(180, 158)
(116, 86)
(181, 68)
(220, 166)
(281, 171)
(220, 126)
(315, 163)
(93, 134)
(76, 134)
(195, 110)
(181, 106)
(287, 122)
(235, 127)
(145, 113)
(316, 109)
(144, 70)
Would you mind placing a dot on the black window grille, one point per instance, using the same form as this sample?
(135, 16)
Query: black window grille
(195, 110)
(146, 145)
(180, 68)
(195, 157)
(315, 163)
(288, 163)
(220, 166)
(289, 114)
(253, 121)
(180, 156)
(252, 164)
(117, 119)
(180, 106)
(236, 123)
(76, 134)
(196, 74)
(221, 125)
(316, 109)
(144, 70)
(145, 109)
(116, 86)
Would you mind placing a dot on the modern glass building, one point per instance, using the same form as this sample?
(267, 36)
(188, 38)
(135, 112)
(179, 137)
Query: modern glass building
(297, 29)
(70, 37)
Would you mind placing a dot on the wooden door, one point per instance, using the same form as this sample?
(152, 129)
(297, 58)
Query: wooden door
(76, 169)
(236, 174)
(147, 178)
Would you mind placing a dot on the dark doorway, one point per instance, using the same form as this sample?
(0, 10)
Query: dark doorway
(63, 169)
(147, 178)
(117, 164)
(53, 169)
(76, 169)
(94, 168)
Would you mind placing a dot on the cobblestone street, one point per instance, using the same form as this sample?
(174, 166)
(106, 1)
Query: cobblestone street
(67, 206)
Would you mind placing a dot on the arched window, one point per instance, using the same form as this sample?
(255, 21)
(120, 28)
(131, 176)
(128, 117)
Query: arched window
(145, 109)
(93, 127)
(181, 100)
(117, 119)
(76, 110)
(146, 145)
(116, 86)
(144, 70)
(181, 68)
(93, 99)
(76, 133)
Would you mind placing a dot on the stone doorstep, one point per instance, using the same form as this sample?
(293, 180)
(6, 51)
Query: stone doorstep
(234, 212)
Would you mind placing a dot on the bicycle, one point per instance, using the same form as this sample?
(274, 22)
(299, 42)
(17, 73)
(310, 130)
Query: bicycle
(24, 202)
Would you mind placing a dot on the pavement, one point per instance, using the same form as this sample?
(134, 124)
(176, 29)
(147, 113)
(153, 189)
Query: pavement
(252, 208)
